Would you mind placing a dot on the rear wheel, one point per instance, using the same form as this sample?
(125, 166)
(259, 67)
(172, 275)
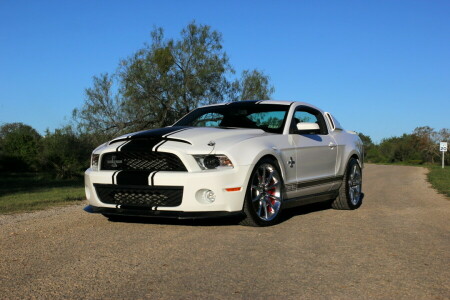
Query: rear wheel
(264, 196)
(350, 196)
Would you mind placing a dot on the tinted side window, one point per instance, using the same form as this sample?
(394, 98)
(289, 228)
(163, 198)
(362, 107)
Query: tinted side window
(309, 115)
(304, 116)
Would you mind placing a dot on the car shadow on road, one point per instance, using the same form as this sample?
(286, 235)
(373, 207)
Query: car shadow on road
(304, 210)
(221, 221)
(307, 209)
(287, 214)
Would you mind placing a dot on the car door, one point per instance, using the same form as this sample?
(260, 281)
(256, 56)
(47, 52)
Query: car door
(316, 153)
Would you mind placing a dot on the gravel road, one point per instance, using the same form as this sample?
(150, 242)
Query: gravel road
(396, 246)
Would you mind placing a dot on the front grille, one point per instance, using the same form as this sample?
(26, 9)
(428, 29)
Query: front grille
(142, 161)
(139, 196)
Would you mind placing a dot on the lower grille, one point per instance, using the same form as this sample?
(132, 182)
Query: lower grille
(139, 196)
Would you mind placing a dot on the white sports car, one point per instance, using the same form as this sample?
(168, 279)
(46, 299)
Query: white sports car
(253, 158)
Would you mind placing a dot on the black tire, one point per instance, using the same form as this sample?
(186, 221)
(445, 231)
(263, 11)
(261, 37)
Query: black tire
(264, 196)
(350, 195)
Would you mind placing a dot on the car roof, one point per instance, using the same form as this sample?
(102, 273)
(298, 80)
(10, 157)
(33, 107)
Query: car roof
(279, 102)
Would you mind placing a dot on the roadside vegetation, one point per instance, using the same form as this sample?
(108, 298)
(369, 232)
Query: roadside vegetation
(29, 191)
(420, 148)
(152, 88)
(440, 179)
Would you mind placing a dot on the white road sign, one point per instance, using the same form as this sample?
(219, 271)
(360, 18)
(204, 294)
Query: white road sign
(443, 147)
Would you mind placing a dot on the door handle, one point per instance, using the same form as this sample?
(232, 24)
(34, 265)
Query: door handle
(331, 145)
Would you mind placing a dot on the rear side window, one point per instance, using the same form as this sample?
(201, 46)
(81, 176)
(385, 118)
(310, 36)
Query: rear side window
(334, 124)
(330, 119)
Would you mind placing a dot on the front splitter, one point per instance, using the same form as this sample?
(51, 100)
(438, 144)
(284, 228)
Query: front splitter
(145, 212)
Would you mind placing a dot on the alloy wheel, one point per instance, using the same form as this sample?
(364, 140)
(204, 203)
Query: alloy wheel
(266, 192)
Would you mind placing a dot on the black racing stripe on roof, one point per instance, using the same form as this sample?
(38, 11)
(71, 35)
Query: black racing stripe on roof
(246, 102)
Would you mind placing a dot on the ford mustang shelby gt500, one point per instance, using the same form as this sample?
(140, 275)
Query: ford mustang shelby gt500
(252, 158)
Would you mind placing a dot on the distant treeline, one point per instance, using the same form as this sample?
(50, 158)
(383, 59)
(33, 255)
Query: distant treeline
(65, 153)
(419, 147)
(62, 153)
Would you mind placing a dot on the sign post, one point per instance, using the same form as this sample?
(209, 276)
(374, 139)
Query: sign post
(443, 148)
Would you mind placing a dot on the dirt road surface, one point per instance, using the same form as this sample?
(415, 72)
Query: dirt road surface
(396, 246)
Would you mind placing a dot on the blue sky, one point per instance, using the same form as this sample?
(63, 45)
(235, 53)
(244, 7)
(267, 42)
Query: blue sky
(381, 67)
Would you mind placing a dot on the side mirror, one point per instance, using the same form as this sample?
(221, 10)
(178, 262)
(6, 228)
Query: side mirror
(305, 127)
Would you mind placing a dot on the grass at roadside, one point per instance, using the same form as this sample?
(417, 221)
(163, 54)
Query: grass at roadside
(440, 179)
(26, 192)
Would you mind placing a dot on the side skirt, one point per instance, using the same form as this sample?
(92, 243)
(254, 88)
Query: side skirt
(308, 199)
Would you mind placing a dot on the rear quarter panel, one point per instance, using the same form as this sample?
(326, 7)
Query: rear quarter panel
(349, 144)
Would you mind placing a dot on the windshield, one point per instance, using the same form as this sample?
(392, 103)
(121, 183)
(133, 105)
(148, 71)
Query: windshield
(268, 117)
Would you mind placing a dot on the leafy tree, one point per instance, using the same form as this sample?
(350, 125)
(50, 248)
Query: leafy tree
(19, 147)
(426, 142)
(165, 80)
(159, 83)
(254, 85)
(103, 110)
(64, 153)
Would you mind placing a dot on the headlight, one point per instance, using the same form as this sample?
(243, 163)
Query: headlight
(213, 161)
(94, 162)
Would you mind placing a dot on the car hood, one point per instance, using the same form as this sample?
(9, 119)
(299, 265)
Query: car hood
(196, 136)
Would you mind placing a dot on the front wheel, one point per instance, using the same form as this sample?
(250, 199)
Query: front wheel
(264, 196)
(350, 195)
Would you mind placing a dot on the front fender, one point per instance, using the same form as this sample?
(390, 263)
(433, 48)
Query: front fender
(250, 152)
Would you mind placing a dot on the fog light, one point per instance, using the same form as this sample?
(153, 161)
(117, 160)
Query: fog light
(209, 196)
(205, 196)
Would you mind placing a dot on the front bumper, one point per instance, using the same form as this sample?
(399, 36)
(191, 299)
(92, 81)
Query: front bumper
(160, 213)
(191, 182)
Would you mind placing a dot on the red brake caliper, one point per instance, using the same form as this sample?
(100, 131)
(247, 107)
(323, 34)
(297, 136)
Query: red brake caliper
(272, 192)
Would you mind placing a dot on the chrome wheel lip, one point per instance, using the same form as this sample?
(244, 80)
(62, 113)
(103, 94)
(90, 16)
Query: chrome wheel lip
(265, 192)
(354, 185)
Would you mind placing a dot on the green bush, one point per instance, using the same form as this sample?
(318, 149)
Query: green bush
(64, 153)
(19, 147)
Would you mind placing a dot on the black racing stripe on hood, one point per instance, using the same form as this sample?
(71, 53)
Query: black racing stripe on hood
(140, 145)
(177, 140)
(158, 133)
(133, 177)
(146, 140)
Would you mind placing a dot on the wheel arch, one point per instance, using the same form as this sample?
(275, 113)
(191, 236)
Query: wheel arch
(274, 156)
(352, 154)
